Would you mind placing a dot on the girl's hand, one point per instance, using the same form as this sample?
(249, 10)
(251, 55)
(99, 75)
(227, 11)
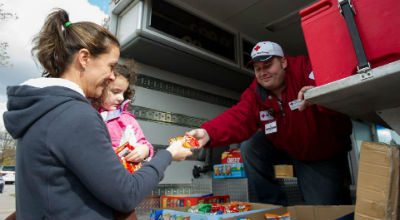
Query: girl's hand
(140, 153)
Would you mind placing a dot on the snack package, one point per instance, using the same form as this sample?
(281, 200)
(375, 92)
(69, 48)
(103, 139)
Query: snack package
(231, 156)
(124, 150)
(285, 216)
(239, 207)
(168, 216)
(187, 141)
(220, 209)
(200, 208)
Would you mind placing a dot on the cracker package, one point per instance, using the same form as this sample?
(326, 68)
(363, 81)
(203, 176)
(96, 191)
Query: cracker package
(231, 156)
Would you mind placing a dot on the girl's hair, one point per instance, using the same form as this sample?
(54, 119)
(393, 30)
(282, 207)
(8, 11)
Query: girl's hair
(59, 40)
(128, 71)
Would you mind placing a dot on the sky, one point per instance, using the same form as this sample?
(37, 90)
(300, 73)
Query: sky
(18, 33)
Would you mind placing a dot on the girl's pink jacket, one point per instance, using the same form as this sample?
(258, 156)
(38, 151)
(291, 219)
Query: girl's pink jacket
(116, 122)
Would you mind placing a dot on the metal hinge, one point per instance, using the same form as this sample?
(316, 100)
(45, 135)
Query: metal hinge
(366, 75)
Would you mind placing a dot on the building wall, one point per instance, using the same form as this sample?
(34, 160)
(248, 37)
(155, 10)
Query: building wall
(168, 105)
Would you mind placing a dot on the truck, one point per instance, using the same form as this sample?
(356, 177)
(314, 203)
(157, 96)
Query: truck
(192, 57)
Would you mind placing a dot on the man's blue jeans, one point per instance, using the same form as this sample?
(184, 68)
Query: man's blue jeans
(321, 182)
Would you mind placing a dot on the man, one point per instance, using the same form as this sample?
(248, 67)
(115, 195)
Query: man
(280, 124)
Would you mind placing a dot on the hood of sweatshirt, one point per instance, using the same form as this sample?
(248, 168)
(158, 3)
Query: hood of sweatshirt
(29, 101)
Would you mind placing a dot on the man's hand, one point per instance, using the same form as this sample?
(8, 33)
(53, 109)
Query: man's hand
(300, 97)
(140, 153)
(201, 135)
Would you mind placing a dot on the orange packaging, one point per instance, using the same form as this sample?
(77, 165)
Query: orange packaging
(124, 150)
(187, 141)
(231, 156)
(285, 216)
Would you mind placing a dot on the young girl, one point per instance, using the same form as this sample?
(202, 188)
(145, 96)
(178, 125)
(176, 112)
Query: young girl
(113, 104)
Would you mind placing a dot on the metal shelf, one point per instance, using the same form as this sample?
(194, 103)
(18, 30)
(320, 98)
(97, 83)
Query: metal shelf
(373, 96)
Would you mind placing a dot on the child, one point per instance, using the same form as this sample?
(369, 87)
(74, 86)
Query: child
(113, 104)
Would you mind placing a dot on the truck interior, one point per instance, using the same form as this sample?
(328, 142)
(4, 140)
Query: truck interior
(195, 52)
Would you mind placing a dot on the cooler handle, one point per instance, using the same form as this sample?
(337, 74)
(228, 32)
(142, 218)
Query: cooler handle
(314, 9)
(348, 13)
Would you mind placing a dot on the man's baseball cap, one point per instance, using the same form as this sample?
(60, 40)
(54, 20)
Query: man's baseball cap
(263, 51)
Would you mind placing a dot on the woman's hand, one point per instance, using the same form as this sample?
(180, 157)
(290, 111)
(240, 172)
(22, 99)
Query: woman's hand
(178, 152)
(140, 153)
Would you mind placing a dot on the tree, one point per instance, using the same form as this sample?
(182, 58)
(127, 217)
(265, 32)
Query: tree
(7, 146)
(4, 55)
(4, 16)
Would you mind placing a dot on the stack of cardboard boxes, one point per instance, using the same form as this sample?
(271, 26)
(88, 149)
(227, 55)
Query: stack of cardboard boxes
(378, 182)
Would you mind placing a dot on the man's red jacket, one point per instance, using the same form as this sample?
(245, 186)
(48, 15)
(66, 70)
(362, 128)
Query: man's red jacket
(313, 134)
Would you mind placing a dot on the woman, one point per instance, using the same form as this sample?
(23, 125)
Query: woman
(66, 168)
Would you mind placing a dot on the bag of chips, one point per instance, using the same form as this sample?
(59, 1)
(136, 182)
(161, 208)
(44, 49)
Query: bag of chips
(187, 141)
(124, 150)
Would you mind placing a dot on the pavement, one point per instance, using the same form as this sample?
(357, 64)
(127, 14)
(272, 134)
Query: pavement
(7, 201)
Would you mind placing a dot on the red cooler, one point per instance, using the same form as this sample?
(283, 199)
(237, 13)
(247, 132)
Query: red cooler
(329, 42)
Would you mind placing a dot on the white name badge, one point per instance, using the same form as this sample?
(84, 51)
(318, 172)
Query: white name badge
(265, 116)
(295, 104)
(271, 128)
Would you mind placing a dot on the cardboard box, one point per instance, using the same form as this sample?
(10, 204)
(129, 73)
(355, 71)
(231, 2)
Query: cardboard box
(229, 170)
(378, 182)
(303, 212)
(258, 211)
(180, 213)
(283, 171)
(231, 156)
(144, 208)
(187, 201)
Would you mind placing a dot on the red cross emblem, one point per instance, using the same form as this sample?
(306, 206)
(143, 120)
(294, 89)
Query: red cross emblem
(257, 48)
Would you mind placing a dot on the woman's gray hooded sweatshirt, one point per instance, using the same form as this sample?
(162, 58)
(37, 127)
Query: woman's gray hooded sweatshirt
(65, 166)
